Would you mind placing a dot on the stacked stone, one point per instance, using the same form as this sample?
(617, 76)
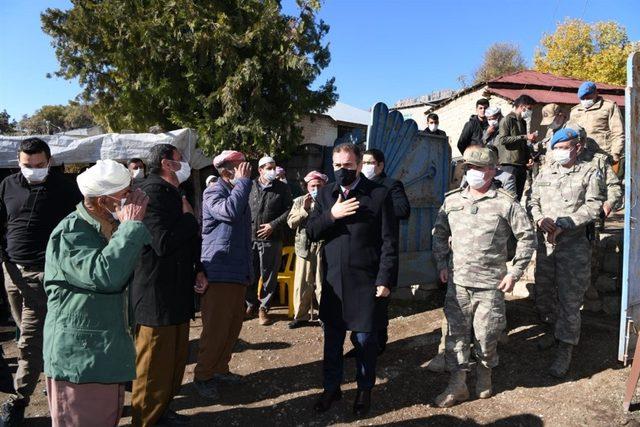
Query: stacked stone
(604, 293)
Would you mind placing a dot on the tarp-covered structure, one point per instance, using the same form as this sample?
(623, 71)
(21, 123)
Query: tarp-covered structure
(69, 149)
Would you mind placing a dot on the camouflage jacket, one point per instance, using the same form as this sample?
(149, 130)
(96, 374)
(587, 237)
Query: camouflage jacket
(479, 230)
(571, 197)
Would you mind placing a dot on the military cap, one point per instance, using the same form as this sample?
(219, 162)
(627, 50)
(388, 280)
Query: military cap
(562, 135)
(586, 88)
(481, 157)
(549, 112)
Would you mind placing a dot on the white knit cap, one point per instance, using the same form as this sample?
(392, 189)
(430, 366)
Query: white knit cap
(266, 159)
(104, 178)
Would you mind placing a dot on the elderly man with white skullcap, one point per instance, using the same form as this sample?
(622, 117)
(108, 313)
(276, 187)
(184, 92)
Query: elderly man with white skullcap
(307, 280)
(270, 202)
(88, 348)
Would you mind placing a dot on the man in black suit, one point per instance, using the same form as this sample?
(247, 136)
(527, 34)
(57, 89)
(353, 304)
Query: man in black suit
(355, 219)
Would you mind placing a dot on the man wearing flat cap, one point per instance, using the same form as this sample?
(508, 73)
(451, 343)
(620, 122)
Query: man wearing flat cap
(602, 121)
(226, 258)
(88, 346)
(473, 227)
(308, 275)
(566, 198)
(270, 202)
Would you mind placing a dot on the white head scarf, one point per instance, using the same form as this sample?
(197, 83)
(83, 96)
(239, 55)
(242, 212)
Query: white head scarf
(104, 178)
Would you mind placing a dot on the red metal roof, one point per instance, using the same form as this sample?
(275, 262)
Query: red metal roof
(536, 78)
(547, 96)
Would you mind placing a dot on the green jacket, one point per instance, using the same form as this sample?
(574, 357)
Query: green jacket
(512, 141)
(86, 333)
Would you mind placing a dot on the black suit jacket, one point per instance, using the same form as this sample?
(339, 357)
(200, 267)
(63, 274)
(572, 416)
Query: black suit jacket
(401, 206)
(360, 252)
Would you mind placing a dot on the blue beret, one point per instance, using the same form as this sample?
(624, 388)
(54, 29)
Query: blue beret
(562, 135)
(586, 88)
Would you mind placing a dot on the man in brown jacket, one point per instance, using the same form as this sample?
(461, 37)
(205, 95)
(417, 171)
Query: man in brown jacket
(602, 121)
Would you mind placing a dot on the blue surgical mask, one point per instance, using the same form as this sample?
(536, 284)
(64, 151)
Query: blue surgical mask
(314, 193)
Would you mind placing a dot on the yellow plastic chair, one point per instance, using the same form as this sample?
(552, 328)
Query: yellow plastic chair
(285, 277)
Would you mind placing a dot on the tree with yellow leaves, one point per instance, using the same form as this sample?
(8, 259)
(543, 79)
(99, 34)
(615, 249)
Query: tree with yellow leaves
(586, 51)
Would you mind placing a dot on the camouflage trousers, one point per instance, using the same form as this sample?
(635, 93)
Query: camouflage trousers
(562, 278)
(480, 310)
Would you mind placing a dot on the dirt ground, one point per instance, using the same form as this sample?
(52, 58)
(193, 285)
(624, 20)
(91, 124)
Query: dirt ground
(282, 369)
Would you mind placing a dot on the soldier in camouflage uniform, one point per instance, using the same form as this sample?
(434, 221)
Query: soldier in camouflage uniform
(479, 220)
(566, 197)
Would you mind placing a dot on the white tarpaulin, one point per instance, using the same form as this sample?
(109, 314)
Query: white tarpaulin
(115, 146)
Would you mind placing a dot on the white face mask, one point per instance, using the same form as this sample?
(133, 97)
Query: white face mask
(184, 172)
(369, 171)
(115, 214)
(493, 123)
(526, 114)
(562, 156)
(433, 127)
(270, 175)
(34, 174)
(586, 103)
(475, 178)
(137, 173)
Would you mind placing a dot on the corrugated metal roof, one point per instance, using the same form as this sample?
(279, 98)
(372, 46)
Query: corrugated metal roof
(348, 114)
(530, 77)
(548, 96)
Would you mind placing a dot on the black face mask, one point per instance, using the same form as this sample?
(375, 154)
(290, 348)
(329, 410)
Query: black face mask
(345, 177)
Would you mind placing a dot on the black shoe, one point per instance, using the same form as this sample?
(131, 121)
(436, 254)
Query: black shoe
(362, 404)
(298, 323)
(172, 418)
(207, 389)
(229, 378)
(326, 399)
(12, 413)
(350, 354)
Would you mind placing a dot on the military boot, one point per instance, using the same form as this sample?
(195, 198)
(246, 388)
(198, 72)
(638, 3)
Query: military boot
(547, 340)
(483, 381)
(455, 392)
(437, 364)
(560, 366)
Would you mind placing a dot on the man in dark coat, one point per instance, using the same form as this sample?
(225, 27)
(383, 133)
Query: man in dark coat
(473, 130)
(355, 219)
(270, 202)
(162, 292)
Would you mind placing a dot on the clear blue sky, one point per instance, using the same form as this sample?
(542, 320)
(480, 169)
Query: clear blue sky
(381, 50)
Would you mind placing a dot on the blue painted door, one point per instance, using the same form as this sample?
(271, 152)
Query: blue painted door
(630, 310)
(422, 163)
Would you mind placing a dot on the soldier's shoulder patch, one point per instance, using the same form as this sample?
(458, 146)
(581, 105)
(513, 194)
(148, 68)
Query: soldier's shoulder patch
(454, 191)
(506, 193)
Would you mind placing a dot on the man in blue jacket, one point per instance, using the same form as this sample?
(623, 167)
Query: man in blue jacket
(226, 257)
